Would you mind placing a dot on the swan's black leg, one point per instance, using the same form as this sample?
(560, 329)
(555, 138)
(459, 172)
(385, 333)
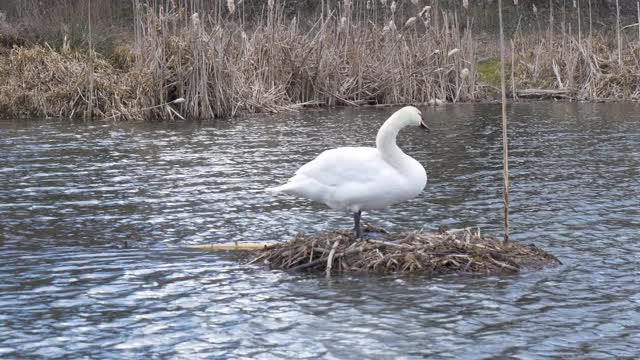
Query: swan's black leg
(357, 228)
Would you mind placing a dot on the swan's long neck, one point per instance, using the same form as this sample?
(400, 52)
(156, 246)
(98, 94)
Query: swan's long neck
(386, 139)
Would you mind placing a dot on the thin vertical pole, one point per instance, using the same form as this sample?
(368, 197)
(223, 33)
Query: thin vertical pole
(579, 25)
(550, 26)
(638, 7)
(618, 32)
(90, 107)
(505, 150)
(514, 92)
(591, 87)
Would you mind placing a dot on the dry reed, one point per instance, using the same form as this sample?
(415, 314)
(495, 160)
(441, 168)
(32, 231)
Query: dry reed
(579, 72)
(456, 251)
(349, 55)
(505, 144)
(223, 67)
(42, 82)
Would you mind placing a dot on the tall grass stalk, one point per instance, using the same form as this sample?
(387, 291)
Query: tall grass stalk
(618, 36)
(514, 91)
(590, 25)
(505, 149)
(564, 24)
(89, 114)
(579, 24)
(550, 30)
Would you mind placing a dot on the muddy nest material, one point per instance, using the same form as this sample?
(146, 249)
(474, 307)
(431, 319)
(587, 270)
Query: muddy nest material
(456, 251)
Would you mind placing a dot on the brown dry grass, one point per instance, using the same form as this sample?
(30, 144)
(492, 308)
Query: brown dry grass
(587, 67)
(461, 251)
(223, 66)
(44, 82)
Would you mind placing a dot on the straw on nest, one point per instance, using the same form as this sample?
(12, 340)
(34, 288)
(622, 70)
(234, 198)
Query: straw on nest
(456, 251)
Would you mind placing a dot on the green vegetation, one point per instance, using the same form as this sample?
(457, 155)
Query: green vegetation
(489, 72)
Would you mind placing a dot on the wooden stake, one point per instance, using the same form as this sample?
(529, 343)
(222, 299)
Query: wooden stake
(505, 150)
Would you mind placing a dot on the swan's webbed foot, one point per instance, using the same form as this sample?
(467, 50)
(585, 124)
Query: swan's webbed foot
(357, 229)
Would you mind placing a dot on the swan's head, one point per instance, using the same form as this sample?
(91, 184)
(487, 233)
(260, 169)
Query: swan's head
(412, 117)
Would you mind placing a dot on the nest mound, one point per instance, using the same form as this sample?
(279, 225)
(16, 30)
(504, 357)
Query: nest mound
(443, 252)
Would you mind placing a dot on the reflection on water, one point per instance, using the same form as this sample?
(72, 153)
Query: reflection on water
(72, 195)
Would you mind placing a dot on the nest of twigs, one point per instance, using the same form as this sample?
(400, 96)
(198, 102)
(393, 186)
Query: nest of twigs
(443, 252)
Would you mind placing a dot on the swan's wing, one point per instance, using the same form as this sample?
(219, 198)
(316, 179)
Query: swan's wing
(336, 167)
(349, 179)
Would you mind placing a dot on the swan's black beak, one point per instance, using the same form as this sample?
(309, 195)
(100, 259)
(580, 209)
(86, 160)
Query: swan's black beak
(424, 125)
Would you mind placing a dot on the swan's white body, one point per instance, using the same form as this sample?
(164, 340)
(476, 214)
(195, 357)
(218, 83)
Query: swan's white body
(362, 178)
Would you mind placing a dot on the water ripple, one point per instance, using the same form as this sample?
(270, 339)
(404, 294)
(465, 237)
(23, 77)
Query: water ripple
(93, 216)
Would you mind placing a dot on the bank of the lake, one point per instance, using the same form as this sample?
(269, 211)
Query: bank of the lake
(222, 67)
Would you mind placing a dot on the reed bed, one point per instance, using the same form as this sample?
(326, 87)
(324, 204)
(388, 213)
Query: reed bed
(221, 66)
(444, 252)
(40, 81)
(586, 70)
(348, 54)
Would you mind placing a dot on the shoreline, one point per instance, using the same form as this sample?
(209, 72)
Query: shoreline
(322, 107)
(134, 109)
(183, 66)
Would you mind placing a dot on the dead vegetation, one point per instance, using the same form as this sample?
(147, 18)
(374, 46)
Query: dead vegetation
(222, 67)
(444, 252)
(381, 53)
(43, 82)
(570, 68)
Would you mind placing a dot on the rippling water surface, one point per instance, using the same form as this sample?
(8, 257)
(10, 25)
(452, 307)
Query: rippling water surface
(94, 220)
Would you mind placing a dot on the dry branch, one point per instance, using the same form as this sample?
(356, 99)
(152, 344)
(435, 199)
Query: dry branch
(545, 93)
(232, 246)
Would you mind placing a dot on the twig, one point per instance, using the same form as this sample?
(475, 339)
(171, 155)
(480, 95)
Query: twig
(330, 257)
(387, 243)
(265, 254)
(176, 101)
(323, 260)
(500, 263)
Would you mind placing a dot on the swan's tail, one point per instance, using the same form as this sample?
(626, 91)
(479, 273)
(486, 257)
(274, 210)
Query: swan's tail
(290, 188)
(276, 190)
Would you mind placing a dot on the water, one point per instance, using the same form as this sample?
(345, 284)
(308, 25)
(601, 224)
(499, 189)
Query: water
(94, 220)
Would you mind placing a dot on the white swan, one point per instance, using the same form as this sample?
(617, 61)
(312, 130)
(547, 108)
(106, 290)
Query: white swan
(363, 178)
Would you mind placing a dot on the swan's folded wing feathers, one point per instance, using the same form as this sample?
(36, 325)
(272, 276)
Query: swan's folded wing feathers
(342, 165)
